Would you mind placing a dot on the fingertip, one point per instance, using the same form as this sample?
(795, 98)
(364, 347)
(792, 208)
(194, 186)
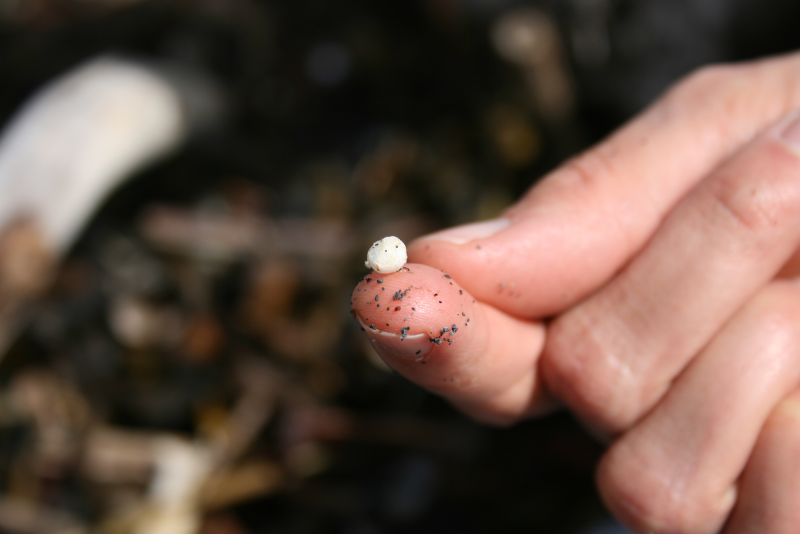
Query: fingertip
(413, 315)
(429, 329)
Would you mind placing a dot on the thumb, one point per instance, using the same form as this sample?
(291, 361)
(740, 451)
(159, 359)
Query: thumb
(428, 329)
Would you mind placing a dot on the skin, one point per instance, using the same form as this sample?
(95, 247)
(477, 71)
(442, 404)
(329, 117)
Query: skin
(664, 263)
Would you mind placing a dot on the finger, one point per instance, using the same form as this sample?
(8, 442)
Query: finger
(578, 227)
(612, 357)
(769, 496)
(428, 329)
(676, 470)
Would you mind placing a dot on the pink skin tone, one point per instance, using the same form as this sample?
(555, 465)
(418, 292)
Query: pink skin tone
(665, 263)
(453, 365)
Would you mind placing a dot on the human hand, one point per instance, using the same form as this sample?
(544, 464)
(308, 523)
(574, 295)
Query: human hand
(658, 251)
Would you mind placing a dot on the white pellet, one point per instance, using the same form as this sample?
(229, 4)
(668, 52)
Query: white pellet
(387, 255)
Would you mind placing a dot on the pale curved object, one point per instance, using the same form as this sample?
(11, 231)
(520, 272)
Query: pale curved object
(73, 143)
(80, 137)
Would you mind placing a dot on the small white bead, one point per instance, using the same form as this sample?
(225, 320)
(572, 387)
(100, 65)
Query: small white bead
(387, 255)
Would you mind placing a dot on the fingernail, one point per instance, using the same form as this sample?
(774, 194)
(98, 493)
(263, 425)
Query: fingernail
(791, 134)
(468, 232)
(415, 347)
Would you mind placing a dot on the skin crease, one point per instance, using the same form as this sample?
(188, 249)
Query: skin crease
(639, 255)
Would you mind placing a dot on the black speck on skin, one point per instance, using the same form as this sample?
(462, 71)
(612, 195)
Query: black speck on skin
(440, 302)
(419, 351)
(387, 324)
(380, 280)
(400, 294)
(376, 298)
(460, 291)
(447, 275)
(464, 314)
(372, 326)
(369, 279)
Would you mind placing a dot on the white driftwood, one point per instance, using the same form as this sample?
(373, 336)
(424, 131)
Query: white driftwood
(79, 138)
(68, 147)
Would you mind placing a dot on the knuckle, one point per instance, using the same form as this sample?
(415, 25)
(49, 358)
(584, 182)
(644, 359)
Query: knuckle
(591, 168)
(586, 175)
(754, 207)
(712, 87)
(578, 367)
(706, 83)
(587, 180)
(648, 499)
(776, 313)
(709, 78)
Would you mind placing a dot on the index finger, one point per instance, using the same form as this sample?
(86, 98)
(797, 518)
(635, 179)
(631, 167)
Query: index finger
(571, 233)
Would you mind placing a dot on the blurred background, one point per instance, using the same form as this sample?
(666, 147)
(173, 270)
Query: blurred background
(186, 362)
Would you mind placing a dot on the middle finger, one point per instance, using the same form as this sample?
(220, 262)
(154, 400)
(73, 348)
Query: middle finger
(675, 470)
(612, 357)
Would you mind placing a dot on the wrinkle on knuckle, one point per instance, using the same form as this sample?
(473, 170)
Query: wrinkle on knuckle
(591, 170)
(775, 87)
(754, 208)
(653, 499)
(733, 98)
(776, 316)
(740, 98)
(576, 184)
(577, 366)
(590, 177)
